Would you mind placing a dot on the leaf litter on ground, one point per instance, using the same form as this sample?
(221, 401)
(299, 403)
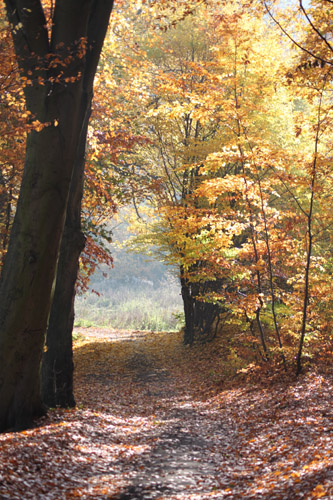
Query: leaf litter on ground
(158, 420)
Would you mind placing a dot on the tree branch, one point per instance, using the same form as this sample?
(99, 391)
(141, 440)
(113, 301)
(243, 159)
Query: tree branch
(314, 27)
(318, 58)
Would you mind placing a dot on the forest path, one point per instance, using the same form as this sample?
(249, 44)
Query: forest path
(186, 445)
(182, 441)
(156, 420)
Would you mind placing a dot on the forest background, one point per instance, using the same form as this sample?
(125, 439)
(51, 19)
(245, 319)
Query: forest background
(230, 176)
(216, 128)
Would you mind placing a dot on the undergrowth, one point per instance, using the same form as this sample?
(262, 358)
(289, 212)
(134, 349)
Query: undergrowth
(142, 307)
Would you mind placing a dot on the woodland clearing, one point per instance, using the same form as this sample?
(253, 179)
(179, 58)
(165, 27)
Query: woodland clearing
(158, 420)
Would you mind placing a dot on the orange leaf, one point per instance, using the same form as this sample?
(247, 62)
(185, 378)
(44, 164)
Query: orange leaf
(319, 491)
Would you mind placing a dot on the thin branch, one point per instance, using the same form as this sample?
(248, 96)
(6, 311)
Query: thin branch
(314, 27)
(309, 249)
(324, 61)
(288, 190)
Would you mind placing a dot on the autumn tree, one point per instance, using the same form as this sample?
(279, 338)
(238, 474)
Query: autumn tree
(56, 389)
(278, 192)
(58, 61)
(310, 78)
(190, 96)
(169, 77)
(228, 162)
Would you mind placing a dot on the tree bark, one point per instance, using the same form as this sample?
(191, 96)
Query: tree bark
(188, 309)
(28, 275)
(57, 362)
(30, 266)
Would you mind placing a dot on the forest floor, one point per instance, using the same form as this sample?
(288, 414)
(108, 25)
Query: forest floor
(156, 420)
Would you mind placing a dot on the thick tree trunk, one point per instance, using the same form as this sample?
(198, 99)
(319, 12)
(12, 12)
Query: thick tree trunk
(205, 314)
(30, 266)
(29, 271)
(57, 363)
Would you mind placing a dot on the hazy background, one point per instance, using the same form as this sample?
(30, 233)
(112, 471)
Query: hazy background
(138, 293)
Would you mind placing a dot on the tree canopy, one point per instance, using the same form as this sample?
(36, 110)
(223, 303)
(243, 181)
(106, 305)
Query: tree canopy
(213, 120)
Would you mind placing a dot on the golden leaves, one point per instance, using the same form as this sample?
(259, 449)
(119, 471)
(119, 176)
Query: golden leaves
(230, 152)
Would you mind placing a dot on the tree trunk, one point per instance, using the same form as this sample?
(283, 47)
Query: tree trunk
(188, 310)
(57, 363)
(30, 266)
(29, 271)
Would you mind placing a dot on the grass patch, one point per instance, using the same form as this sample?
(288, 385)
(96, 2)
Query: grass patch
(142, 307)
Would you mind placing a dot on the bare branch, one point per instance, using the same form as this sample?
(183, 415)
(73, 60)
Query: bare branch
(314, 27)
(318, 58)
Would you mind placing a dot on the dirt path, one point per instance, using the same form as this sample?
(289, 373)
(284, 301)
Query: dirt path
(182, 454)
(151, 424)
